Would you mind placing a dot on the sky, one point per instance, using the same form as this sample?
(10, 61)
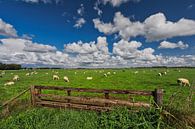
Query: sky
(97, 33)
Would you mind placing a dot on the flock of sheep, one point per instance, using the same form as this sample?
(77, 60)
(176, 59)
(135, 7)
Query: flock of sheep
(180, 81)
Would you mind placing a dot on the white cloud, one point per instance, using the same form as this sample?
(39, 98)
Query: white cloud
(79, 23)
(81, 11)
(7, 29)
(22, 51)
(43, 1)
(96, 7)
(130, 51)
(166, 45)
(154, 28)
(116, 3)
(92, 54)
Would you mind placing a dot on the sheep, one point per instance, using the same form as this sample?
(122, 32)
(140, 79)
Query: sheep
(11, 73)
(183, 82)
(66, 79)
(136, 72)
(75, 73)
(89, 78)
(46, 73)
(105, 75)
(27, 74)
(114, 72)
(108, 73)
(56, 77)
(9, 83)
(16, 78)
(162, 73)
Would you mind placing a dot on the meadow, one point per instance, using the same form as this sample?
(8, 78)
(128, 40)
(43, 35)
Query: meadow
(131, 79)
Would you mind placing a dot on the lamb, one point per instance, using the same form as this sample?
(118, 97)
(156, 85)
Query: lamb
(183, 82)
(9, 83)
(89, 78)
(56, 77)
(16, 78)
(66, 79)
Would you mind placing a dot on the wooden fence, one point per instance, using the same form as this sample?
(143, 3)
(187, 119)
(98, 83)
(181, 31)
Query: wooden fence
(67, 100)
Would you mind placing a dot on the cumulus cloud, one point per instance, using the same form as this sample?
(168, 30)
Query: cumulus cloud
(7, 29)
(130, 51)
(23, 51)
(86, 54)
(166, 45)
(79, 23)
(154, 28)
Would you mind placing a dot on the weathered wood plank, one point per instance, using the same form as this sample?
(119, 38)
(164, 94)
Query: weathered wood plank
(70, 105)
(133, 92)
(96, 100)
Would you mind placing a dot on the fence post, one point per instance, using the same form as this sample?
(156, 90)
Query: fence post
(32, 92)
(107, 97)
(69, 93)
(158, 96)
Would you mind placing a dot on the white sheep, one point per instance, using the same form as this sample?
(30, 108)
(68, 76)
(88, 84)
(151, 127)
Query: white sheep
(105, 75)
(114, 72)
(89, 78)
(108, 73)
(66, 79)
(56, 77)
(160, 74)
(16, 78)
(27, 74)
(183, 81)
(9, 83)
(136, 72)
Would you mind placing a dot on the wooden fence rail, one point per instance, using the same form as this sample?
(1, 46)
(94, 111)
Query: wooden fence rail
(38, 98)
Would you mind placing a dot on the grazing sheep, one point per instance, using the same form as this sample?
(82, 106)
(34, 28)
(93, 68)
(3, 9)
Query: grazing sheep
(160, 74)
(165, 73)
(27, 74)
(136, 72)
(89, 78)
(105, 75)
(75, 73)
(108, 73)
(114, 72)
(66, 79)
(183, 82)
(56, 77)
(9, 83)
(16, 78)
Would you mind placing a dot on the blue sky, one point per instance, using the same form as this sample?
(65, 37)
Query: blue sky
(130, 32)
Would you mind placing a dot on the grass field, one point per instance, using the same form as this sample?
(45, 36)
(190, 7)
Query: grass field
(145, 79)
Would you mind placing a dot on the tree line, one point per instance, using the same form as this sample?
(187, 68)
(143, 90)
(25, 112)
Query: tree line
(10, 66)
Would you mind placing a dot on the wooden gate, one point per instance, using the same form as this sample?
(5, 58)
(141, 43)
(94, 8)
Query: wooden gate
(40, 96)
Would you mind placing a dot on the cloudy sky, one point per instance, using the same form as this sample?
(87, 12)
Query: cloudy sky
(97, 33)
